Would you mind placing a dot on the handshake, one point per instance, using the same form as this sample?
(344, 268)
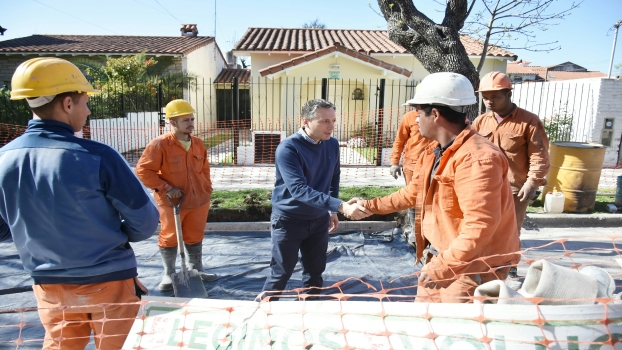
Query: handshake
(354, 209)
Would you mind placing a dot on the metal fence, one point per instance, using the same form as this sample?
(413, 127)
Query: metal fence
(243, 122)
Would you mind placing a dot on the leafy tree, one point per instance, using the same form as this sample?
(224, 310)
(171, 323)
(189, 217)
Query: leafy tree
(132, 84)
(314, 24)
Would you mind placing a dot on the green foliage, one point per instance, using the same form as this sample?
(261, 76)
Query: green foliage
(13, 112)
(217, 139)
(261, 197)
(559, 126)
(369, 133)
(132, 84)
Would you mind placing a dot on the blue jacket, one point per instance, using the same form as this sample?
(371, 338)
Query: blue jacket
(307, 178)
(72, 206)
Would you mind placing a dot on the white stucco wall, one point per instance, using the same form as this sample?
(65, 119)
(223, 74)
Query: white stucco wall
(205, 63)
(589, 101)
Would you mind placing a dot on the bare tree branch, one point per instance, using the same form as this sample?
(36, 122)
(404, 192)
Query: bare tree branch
(518, 18)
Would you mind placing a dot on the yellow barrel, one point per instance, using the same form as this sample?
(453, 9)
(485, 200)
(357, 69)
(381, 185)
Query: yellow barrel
(575, 171)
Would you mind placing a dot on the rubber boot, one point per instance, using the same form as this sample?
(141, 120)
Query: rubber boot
(169, 255)
(195, 261)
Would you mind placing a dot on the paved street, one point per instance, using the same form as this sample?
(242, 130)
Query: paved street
(246, 177)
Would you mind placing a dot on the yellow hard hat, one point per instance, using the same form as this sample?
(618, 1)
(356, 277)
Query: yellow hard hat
(176, 108)
(47, 76)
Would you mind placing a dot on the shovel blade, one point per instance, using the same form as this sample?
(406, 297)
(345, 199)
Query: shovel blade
(194, 289)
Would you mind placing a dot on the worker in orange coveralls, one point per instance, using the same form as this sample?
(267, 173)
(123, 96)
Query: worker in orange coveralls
(409, 141)
(176, 165)
(520, 135)
(464, 208)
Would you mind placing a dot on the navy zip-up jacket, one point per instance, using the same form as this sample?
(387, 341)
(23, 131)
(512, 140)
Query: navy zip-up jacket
(72, 206)
(307, 178)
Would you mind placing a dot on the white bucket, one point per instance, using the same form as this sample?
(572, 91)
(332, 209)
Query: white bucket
(554, 202)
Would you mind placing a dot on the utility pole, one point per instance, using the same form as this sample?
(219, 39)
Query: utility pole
(613, 51)
(214, 18)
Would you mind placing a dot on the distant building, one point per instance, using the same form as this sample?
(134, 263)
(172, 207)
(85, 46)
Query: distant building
(521, 71)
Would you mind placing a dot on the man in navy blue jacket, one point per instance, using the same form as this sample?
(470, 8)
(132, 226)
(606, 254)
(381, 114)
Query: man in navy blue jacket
(305, 199)
(72, 207)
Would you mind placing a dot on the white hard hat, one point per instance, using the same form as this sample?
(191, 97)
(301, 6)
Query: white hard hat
(444, 88)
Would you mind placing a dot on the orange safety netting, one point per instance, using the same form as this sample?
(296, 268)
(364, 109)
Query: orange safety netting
(384, 318)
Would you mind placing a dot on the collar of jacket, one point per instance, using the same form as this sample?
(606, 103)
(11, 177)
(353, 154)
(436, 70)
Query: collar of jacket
(49, 125)
(172, 139)
(512, 114)
(462, 137)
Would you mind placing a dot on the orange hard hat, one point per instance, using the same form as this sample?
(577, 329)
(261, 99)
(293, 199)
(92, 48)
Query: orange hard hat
(494, 81)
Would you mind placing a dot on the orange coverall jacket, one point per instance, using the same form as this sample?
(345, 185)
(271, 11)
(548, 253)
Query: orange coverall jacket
(166, 164)
(521, 136)
(466, 211)
(409, 140)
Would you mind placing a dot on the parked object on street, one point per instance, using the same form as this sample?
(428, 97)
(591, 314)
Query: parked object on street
(575, 171)
(554, 284)
(554, 202)
(618, 200)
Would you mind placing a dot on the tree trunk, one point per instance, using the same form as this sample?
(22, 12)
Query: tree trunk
(436, 46)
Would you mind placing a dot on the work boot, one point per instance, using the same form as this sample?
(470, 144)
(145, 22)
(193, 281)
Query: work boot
(195, 261)
(168, 261)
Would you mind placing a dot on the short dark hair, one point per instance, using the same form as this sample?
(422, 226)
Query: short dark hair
(452, 116)
(45, 110)
(309, 109)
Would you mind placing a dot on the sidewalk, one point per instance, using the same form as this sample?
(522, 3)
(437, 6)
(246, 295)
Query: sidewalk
(249, 177)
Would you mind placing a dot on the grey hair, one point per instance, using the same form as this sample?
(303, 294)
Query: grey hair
(309, 109)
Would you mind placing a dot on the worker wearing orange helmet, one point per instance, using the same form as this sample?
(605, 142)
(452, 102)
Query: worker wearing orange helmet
(72, 207)
(176, 165)
(520, 135)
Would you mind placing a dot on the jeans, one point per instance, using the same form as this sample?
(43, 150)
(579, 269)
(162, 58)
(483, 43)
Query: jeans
(289, 236)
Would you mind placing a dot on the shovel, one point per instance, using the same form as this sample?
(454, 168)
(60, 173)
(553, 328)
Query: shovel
(187, 283)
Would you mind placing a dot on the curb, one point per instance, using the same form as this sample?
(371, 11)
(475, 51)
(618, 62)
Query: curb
(531, 221)
(265, 226)
(572, 220)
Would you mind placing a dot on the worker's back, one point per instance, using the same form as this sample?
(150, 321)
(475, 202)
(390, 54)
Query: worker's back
(72, 206)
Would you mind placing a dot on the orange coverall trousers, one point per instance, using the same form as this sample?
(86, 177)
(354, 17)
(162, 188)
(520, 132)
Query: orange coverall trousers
(193, 223)
(69, 312)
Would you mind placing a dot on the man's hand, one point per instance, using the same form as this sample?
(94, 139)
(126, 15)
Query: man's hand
(425, 280)
(528, 192)
(174, 193)
(333, 223)
(395, 171)
(355, 211)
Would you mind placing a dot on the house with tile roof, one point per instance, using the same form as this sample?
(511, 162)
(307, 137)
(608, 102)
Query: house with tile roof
(521, 71)
(190, 53)
(352, 62)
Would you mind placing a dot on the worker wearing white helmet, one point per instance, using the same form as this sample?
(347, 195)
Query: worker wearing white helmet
(464, 208)
(72, 207)
(175, 165)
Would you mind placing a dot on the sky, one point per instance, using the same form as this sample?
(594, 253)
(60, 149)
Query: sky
(585, 36)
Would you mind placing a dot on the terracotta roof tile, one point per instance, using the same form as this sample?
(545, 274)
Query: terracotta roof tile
(326, 51)
(227, 74)
(366, 41)
(104, 44)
